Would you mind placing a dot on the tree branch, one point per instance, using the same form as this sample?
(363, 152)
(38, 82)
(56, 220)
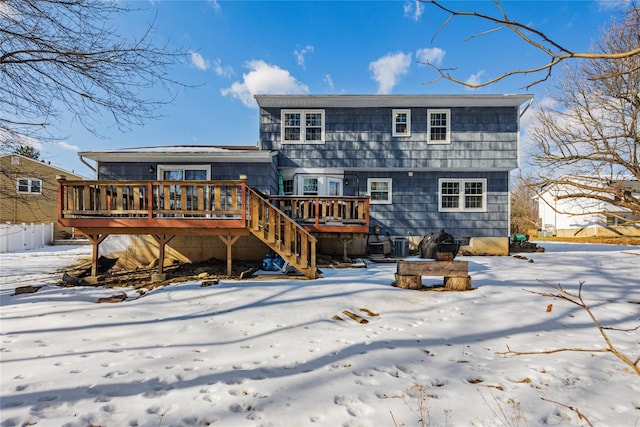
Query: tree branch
(556, 52)
(579, 301)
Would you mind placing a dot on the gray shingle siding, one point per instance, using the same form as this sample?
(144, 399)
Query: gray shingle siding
(414, 209)
(481, 138)
(262, 176)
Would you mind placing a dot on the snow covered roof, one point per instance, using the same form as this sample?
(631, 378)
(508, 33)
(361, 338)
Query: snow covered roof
(181, 153)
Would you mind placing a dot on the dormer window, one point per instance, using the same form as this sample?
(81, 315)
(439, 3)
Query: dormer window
(303, 126)
(401, 122)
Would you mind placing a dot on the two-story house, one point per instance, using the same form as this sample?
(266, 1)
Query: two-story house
(428, 162)
(330, 173)
(565, 215)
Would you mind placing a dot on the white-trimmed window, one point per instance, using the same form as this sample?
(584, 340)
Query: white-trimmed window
(184, 172)
(379, 190)
(303, 126)
(318, 185)
(401, 122)
(29, 186)
(439, 126)
(462, 195)
(310, 186)
(335, 186)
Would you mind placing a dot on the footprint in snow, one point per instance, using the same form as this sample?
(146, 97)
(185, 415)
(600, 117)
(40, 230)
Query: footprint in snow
(354, 405)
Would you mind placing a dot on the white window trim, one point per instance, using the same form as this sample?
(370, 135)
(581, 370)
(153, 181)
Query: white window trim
(461, 207)
(163, 168)
(323, 184)
(394, 114)
(318, 184)
(380, 202)
(434, 111)
(339, 182)
(29, 185)
(303, 132)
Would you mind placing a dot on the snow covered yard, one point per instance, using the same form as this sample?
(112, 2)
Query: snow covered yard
(267, 352)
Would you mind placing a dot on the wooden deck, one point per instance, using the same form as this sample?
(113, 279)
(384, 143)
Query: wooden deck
(227, 209)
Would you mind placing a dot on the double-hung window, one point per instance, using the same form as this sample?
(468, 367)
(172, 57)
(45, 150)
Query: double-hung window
(458, 195)
(401, 122)
(303, 126)
(379, 190)
(29, 186)
(439, 126)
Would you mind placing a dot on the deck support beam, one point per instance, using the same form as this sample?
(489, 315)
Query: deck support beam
(95, 240)
(229, 240)
(162, 240)
(345, 243)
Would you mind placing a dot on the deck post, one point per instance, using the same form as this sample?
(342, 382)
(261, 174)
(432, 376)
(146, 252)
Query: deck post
(95, 240)
(162, 240)
(61, 194)
(229, 240)
(345, 243)
(150, 200)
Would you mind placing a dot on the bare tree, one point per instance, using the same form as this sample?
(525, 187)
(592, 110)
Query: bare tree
(524, 208)
(555, 51)
(28, 151)
(68, 56)
(587, 143)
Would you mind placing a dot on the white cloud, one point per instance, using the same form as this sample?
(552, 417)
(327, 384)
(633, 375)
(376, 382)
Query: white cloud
(475, 79)
(198, 61)
(222, 70)
(614, 4)
(300, 54)
(329, 81)
(530, 120)
(6, 11)
(387, 70)
(433, 55)
(263, 78)
(214, 4)
(67, 146)
(413, 9)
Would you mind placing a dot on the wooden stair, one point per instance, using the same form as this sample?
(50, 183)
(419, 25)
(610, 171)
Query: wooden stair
(282, 234)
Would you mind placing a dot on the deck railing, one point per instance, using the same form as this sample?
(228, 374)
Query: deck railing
(280, 232)
(151, 199)
(328, 212)
(155, 200)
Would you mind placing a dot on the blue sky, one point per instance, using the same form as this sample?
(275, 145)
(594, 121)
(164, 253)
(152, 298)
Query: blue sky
(239, 48)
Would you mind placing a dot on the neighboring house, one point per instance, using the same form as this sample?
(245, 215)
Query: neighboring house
(352, 170)
(28, 192)
(582, 217)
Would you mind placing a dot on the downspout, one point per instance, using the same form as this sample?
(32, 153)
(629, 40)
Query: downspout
(82, 159)
(526, 108)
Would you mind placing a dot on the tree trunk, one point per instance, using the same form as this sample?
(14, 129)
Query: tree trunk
(457, 283)
(408, 282)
